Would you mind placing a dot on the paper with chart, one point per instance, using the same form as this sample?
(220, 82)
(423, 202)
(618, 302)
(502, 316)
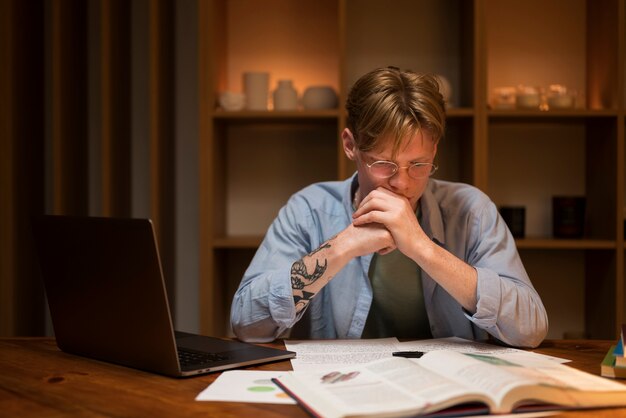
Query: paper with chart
(245, 386)
(461, 345)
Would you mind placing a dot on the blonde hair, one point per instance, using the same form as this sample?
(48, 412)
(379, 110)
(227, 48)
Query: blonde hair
(390, 103)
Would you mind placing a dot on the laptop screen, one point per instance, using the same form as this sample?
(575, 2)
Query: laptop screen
(105, 290)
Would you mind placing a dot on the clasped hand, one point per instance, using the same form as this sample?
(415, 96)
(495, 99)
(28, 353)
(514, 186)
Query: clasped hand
(388, 220)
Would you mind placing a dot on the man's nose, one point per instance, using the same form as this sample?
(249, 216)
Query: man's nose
(401, 178)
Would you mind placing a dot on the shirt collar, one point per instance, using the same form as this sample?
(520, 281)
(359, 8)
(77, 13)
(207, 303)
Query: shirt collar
(431, 215)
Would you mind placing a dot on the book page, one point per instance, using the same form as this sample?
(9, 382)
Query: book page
(570, 378)
(510, 384)
(422, 383)
(490, 375)
(392, 385)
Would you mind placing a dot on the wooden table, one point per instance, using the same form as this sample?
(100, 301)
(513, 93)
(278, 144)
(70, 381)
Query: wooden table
(37, 379)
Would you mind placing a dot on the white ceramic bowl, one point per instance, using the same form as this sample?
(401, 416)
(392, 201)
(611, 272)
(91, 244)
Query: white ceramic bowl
(320, 97)
(232, 101)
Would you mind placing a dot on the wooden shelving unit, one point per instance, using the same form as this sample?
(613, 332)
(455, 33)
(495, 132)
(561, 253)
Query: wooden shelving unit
(250, 162)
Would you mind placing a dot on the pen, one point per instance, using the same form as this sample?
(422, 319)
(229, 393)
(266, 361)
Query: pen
(408, 354)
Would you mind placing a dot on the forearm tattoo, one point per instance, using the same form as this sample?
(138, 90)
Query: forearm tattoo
(301, 278)
(323, 246)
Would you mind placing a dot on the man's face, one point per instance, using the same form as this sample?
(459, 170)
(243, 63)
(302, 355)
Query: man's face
(419, 148)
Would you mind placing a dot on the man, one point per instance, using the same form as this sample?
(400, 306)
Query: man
(390, 251)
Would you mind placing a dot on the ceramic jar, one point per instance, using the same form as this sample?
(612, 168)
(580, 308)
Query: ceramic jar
(527, 97)
(568, 216)
(319, 97)
(285, 96)
(503, 98)
(256, 89)
(559, 97)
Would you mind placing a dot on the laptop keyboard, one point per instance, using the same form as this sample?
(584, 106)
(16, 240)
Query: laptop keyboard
(188, 358)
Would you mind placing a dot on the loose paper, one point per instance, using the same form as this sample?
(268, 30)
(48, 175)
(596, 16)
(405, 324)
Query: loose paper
(331, 354)
(245, 386)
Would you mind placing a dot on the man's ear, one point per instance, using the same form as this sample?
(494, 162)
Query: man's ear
(349, 147)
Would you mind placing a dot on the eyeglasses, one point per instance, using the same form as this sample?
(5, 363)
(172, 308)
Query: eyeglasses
(386, 169)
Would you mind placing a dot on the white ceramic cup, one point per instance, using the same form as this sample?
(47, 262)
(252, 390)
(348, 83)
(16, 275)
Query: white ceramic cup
(256, 88)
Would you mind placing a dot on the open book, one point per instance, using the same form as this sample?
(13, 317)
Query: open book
(440, 380)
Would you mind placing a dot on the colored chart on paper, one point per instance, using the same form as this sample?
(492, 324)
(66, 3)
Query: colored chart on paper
(245, 386)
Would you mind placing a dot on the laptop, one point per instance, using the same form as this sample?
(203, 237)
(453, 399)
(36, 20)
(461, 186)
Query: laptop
(108, 301)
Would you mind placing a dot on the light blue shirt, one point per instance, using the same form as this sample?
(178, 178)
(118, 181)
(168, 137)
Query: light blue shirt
(459, 217)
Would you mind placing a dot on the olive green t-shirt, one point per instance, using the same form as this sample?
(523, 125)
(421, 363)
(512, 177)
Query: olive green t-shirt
(398, 308)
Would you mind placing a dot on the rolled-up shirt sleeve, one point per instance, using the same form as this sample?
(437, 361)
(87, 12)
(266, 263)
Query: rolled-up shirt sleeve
(263, 307)
(508, 306)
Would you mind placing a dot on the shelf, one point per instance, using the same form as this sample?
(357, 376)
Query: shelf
(564, 244)
(254, 160)
(292, 40)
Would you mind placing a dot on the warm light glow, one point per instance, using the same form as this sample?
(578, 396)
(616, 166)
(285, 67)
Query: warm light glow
(295, 41)
(551, 50)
